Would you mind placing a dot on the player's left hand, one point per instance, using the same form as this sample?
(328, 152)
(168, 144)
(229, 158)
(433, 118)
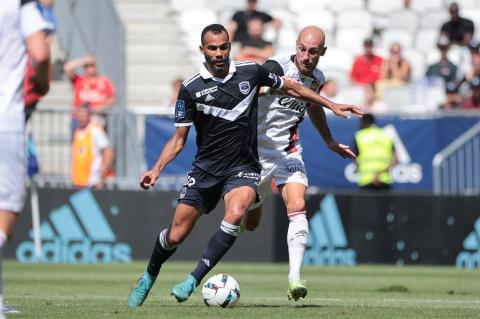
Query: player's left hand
(343, 110)
(342, 150)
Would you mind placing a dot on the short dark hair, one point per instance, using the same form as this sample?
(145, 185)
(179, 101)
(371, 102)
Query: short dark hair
(214, 28)
(368, 119)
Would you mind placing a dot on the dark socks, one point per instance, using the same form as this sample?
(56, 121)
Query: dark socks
(159, 254)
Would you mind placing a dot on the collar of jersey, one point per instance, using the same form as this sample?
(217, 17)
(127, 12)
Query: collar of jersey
(207, 75)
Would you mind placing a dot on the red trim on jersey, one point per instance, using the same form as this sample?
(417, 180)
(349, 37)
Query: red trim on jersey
(291, 148)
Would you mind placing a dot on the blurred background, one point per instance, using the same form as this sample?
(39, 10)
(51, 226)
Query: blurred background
(414, 64)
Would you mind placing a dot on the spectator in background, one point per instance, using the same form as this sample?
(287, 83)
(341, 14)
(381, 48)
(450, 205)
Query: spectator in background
(330, 89)
(255, 48)
(453, 97)
(372, 103)
(237, 28)
(472, 102)
(376, 155)
(459, 30)
(366, 68)
(396, 69)
(443, 69)
(92, 155)
(90, 87)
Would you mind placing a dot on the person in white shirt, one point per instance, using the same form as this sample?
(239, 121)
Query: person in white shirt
(22, 29)
(280, 150)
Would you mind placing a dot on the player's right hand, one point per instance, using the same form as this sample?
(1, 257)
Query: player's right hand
(148, 179)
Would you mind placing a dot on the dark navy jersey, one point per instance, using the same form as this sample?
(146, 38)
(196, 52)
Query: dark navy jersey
(224, 112)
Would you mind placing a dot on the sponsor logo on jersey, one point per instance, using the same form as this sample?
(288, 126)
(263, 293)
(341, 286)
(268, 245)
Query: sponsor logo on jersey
(77, 232)
(470, 257)
(209, 98)
(206, 91)
(244, 87)
(406, 171)
(293, 104)
(327, 243)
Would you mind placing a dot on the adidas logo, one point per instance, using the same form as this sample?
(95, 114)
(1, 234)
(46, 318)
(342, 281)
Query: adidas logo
(470, 257)
(76, 233)
(209, 98)
(327, 243)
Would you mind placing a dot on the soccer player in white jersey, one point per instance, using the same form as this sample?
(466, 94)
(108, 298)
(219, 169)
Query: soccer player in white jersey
(21, 28)
(279, 117)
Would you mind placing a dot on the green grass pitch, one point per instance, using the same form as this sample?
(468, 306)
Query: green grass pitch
(100, 291)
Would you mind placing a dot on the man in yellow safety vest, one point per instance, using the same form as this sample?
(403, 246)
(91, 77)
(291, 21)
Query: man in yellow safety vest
(376, 155)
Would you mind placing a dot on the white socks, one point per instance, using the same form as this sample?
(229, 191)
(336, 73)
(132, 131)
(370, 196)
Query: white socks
(297, 237)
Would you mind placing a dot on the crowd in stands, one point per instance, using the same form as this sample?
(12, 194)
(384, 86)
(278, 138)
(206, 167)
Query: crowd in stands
(416, 54)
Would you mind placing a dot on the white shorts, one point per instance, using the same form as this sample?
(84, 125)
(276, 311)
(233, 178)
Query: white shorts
(12, 172)
(285, 169)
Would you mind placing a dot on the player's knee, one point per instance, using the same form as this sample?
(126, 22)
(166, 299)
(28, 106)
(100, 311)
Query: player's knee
(296, 205)
(234, 215)
(175, 238)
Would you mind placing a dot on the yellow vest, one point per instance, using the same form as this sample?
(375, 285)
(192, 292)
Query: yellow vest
(83, 155)
(375, 149)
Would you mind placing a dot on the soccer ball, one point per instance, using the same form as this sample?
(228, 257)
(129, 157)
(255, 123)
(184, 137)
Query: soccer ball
(221, 291)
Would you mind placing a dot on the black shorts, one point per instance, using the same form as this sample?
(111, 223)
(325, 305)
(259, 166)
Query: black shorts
(204, 190)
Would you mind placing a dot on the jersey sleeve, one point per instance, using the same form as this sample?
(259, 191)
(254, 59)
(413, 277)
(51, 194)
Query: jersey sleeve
(273, 67)
(100, 138)
(31, 20)
(184, 108)
(269, 79)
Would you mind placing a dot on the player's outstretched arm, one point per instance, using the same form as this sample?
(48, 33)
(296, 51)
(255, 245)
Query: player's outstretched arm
(319, 120)
(297, 90)
(173, 147)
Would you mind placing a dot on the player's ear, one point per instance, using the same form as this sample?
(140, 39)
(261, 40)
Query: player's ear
(322, 51)
(200, 48)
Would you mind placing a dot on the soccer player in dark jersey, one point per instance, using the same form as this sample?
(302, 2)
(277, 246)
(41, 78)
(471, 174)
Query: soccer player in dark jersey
(221, 101)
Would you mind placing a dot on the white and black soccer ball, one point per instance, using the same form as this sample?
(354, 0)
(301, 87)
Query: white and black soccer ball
(221, 290)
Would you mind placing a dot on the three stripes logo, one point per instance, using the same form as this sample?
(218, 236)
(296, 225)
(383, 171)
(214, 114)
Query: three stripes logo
(76, 233)
(470, 257)
(327, 243)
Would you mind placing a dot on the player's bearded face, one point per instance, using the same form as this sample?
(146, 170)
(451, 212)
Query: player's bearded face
(216, 50)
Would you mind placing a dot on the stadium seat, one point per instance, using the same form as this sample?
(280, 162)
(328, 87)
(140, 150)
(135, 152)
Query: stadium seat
(228, 5)
(401, 36)
(433, 19)
(464, 4)
(268, 5)
(382, 7)
(323, 19)
(336, 58)
(299, 6)
(417, 61)
(180, 5)
(355, 19)
(224, 16)
(286, 39)
(351, 39)
(403, 19)
(285, 15)
(342, 77)
(426, 5)
(193, 20)
(426, 39)
(340, 5)
(397, 97)
(351, 94)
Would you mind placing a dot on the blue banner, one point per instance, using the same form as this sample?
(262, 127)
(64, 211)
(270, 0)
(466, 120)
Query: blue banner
(416, 140)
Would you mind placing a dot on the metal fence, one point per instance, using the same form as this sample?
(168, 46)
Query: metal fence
(456, 169)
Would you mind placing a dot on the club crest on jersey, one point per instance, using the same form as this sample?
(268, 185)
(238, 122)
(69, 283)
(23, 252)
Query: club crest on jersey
(244, 87)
